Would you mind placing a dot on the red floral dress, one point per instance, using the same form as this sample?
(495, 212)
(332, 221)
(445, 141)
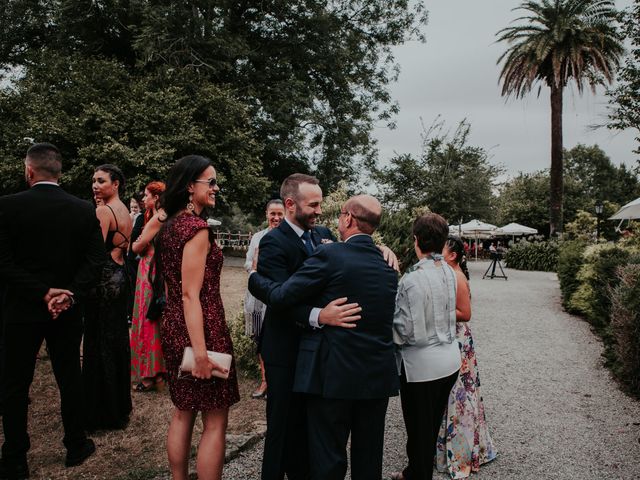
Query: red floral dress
(146, 353)
(187, 394)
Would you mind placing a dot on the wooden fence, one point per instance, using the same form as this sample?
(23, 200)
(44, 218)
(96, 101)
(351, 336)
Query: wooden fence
(239, 240)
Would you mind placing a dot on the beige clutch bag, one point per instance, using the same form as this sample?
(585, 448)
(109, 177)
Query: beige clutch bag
(189, 362)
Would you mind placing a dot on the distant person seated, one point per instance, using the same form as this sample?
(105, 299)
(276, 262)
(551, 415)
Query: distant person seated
(492, 248)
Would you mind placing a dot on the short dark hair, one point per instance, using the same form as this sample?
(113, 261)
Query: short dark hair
(291, 185)
(431, 231)
(45, 158)
(114, 174)
(275, 201)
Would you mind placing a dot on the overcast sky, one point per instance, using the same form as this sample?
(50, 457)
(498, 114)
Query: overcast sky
(454, 74)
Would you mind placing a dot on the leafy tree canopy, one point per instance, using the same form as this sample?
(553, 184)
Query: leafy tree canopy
(96, 112)
(625, 99)
(590, 176)
(450, 177)
(311, 75)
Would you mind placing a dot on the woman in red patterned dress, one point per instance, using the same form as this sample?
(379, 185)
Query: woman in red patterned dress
(147, 362)
(190, 262)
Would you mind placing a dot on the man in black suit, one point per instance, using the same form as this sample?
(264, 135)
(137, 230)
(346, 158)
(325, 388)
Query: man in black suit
(51, 254)
(348, 373)
(281, 252)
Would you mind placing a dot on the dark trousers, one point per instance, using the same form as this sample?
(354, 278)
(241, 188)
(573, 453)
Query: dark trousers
(285, 445)
(22, 343)
(423, 405)
(330, 423)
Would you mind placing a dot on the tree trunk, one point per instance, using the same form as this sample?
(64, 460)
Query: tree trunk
(556, 189)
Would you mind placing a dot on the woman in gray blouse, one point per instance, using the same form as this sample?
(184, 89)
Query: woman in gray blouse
(427, 350)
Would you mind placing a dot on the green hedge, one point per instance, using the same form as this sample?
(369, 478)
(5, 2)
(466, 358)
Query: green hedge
(602, 283)
(596, 277)
(539, 256)
(625, 325)
(570, 259)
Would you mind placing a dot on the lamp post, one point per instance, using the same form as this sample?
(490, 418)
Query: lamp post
(599, 209)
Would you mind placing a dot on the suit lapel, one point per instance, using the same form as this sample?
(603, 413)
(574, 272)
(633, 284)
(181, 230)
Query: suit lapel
(292, 236)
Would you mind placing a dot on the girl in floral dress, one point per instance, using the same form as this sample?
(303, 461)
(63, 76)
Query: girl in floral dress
(464, 442)
(147, 362)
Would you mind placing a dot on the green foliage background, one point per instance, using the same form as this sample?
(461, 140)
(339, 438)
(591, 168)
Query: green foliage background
(539, 256)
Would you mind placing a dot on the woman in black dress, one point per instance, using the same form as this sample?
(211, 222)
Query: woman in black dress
(106, 355)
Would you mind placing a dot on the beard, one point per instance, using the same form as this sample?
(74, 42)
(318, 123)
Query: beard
(307, 221)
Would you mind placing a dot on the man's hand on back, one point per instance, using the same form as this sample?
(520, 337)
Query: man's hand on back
(339, 313)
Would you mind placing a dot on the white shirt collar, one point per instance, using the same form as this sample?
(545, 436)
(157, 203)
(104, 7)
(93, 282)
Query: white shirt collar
(299, 231)
(45, 182)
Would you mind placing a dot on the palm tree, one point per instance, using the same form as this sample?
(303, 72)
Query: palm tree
(555, 42)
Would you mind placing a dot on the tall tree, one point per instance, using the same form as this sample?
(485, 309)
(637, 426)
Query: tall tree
(598, 178)
(450, 177)
(313, 75)
(558, 41)
(625, 98)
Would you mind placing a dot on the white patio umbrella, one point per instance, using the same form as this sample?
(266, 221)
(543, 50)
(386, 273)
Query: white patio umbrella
(515, 229)
(476, 228)
(629, 212)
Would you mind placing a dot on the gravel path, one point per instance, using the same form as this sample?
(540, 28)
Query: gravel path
(553, 410)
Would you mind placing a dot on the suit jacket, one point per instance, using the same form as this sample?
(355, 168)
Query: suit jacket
(281, 253)
(48, 238)
(335, 362)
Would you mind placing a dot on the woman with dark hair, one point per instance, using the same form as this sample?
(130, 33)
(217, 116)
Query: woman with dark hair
(428, 357)
(254, 309)
(147, 362)
(106, 357)
(190, 262)
(464, 442)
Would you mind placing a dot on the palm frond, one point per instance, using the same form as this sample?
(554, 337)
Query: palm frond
(557, 41)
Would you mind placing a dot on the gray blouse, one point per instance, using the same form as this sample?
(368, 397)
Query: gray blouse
(424, 325)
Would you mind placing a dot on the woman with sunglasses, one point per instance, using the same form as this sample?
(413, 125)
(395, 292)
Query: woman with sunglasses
(191, 262)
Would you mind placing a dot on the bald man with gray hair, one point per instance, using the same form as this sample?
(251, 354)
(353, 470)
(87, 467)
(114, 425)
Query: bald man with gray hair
(346, 368)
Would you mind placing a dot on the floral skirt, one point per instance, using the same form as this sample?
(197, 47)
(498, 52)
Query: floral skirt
(464, 442)
(146, 351)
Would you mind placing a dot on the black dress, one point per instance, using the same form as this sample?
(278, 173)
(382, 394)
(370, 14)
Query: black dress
(106, 366)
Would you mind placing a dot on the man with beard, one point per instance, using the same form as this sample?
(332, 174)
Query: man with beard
(347, 373)
(281, 252)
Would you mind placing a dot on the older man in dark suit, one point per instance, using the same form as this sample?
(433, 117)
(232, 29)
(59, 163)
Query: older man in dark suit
(51, 254)
(348, 373)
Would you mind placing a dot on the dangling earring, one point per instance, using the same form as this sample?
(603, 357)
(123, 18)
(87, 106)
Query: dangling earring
(190, 206)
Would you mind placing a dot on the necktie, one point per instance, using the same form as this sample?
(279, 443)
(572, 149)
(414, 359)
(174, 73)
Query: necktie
(306, 236)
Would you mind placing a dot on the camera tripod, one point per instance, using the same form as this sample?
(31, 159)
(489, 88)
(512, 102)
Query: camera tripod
(495, 261)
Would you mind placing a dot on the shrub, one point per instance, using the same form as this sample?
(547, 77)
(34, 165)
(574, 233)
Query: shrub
(570, 259)
(244, 349)
(396, 233)
(625, 325)
(540, 256)
(597, 277)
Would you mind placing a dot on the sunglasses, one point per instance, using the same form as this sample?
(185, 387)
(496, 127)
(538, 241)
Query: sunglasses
(212, 182)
